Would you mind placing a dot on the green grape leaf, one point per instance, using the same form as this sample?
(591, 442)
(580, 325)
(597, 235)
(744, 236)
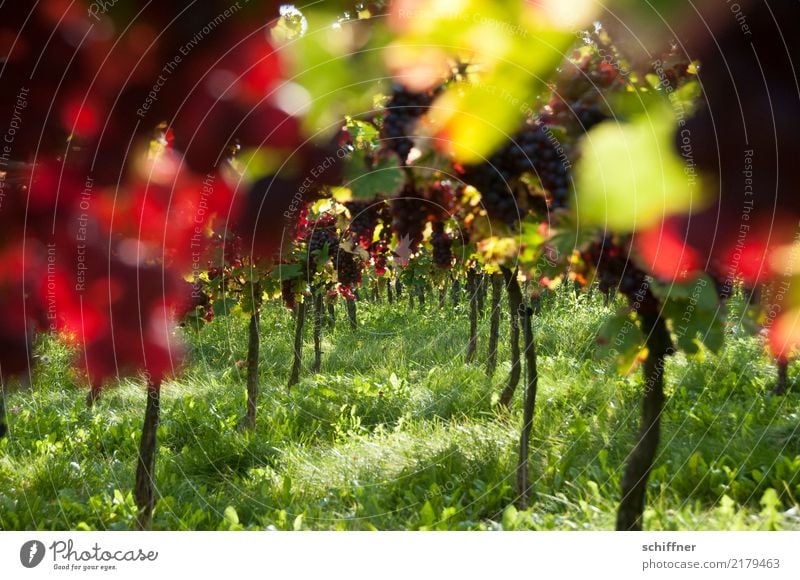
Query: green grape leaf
(364, 135)
(286, 271)
(629, 176)
(701, 291)
(247, 301)
(365, 180)
(195, 319)
(714, 337)
(331, 63)
(693, 310)
(223, 306)
(620, 339)
(322, 257)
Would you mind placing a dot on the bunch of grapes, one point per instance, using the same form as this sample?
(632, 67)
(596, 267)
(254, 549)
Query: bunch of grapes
(379, 253)
(232, 251)
(321, 233)
(409, 216)
(402, 112)
(442, 247)
(579, 97)
(675, 71)
(379, 250)
(287, 293)
(616, 269)
(385, 220)
(364, 220)
(192, 299)
(535, 149)
(321, 236)
(348, 269)
(442, 196)
(497, 196)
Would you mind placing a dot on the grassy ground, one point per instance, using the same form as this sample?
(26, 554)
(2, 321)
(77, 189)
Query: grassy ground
(396, 432)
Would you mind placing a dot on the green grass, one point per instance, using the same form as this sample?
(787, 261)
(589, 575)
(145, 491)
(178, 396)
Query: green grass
(396, 432)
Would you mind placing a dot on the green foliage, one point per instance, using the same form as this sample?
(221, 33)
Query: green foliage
(286, 271)
(517, 46)
(331, 61)
(367, 177)
(364, 135)
(396, 432)
(629, 176)
(695, 313)
(620, 339)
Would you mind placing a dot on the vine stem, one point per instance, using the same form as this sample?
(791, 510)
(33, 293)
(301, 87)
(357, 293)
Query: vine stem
(297, 359)
(144, 488)
(318, 320)
(514, 306)
(529, 406)
(494, 324)
(253, 345)
(472, 291)
(640, 460)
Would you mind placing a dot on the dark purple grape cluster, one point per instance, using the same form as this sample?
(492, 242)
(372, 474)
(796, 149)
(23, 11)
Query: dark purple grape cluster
(321, 238)
(442, 247)
(348, 269)
(364, 220)
(379, 253)
(402, 112)
(442, 196)
(379, 250)
(232, 251)
(616, 269)
(579, 97)
(409, 216)
(534, 150)
(496, 187)
(577, 105)
(321, 233)
(287, 293)
(676, 72)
